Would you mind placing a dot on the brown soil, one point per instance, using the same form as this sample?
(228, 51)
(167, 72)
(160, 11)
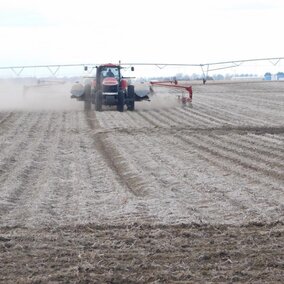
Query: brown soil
(165, 194)
(143, 254)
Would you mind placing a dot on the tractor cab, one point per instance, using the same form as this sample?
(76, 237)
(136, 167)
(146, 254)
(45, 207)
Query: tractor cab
(107, 71)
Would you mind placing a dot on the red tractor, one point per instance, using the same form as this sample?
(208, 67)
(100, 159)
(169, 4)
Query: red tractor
(109, 88)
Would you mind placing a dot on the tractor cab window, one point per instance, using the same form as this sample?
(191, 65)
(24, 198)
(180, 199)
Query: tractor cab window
(110, 72)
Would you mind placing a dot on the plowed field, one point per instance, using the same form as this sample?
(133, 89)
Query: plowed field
(160, 195)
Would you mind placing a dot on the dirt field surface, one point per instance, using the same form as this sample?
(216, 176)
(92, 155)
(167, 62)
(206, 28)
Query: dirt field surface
(164, 194)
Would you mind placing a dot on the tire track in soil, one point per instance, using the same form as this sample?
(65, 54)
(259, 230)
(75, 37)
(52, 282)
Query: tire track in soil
(6, 118)
(152, 119)
(261, 104)
(128, 177)
(160, 119)
(46, 197)
(246, 159)
(253, 98)
(59, 198)
(171, 119)
(16, 124)
(235, 160)
(12, 152)
(92, 192)
(251, 111)
(225, 130)
(163, 121)
(245, 204)
(222, 114)
(124, 119)
(193, 118)
(233, 115)
(200, 115)
(152, 122)
(256, 151)
(17, 136)
(164, 116)
(67, 183)
(176, 189)
(138, 121)
(17, 178)
(278, 140)
(267, 144)
(133, 182)
(36, 194)
(180, 162)
(208, 150)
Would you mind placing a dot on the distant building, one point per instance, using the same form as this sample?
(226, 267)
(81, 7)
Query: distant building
(267, 76)
(280, 76)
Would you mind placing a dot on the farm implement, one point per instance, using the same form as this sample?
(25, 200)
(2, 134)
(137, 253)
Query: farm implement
(110, 88)
(185, 96)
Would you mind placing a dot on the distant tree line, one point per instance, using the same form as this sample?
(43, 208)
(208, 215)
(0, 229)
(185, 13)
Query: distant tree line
(195, 76)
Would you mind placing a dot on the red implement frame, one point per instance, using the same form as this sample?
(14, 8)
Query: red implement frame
(174, 84)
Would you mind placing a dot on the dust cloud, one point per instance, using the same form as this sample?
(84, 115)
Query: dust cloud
(33, 95)
(159, 100)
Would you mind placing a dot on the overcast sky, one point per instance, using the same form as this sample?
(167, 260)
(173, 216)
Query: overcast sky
(176, 31)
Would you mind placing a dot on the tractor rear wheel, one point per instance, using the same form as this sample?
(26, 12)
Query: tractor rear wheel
(131, 98)
(120, 103)
(87, 97)
(98, 100)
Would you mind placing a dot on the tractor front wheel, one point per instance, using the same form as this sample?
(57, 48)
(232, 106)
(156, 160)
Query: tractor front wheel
(120, 102)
